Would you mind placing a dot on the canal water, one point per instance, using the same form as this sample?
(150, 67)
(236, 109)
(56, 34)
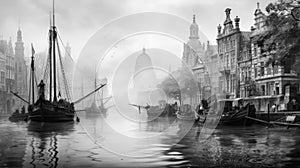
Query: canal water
(118, 141)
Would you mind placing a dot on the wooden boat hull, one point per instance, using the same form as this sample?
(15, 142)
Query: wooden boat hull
(155, 111)
(185, 118)
(50, 112)
(232, 118)
(200, 118)
(18, 117)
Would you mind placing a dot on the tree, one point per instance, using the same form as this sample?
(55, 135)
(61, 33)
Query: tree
(282, 38)
(181, 82)
(251, 88)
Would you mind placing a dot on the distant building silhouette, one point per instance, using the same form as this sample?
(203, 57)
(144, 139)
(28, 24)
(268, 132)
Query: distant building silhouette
(145, 81)
(13, 74)
(21, 70)
(201, 59)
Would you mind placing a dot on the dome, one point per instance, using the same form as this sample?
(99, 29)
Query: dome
(144, 75)
(142, 61)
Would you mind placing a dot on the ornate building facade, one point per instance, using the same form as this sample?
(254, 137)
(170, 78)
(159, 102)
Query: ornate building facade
(274, 83)
(193, 50)
(232, 42)
(7, 76)
(201, 59)
(13, 74)
(21, 70)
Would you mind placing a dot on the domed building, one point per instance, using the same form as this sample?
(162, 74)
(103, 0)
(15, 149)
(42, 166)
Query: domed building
(144, 90)
(144, 76)
(194, 50)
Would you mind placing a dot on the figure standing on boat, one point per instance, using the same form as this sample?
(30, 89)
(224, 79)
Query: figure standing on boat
(42, 90)
(23, 110)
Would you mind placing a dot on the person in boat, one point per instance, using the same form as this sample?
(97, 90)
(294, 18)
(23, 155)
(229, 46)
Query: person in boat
(72, 107)
(273, 107)
(175, 106)
(42, 90)
(252, 110)
(204, 104)
(200, 109)
(23, 110)
(147, 106)
(17, 111)
(294, 105)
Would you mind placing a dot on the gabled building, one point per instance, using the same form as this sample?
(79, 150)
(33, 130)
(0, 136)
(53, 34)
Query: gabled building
(232, 42)
(274, 83)
(2, 82)
(7, 76)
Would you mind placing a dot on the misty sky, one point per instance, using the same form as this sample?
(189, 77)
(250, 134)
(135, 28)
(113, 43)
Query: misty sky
(78, 20)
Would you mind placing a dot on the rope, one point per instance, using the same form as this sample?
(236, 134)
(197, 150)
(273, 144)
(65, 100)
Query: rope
(63, 73)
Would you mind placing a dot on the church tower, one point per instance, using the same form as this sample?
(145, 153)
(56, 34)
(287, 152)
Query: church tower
(21, 68)
(194, 29)
(193, 50)
(68, 65)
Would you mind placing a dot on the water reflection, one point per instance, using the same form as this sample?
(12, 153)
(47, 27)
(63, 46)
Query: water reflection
(43, 145)
(68, 145)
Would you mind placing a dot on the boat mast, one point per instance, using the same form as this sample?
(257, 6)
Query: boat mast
(50, 59)
(32, 72)
(95, 84)
(54, 59)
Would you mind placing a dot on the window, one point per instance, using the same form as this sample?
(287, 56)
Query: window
(249, 73)
(277, 89)
(232, 59)
(242, 76)
(227, 87)
(255, 51)
(263, 89)
(2, 77)
(269, 70)
(262, 69)
(227, 60)
(255, 71)
(275, 70)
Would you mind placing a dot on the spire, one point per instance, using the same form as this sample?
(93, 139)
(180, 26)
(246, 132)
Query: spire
(19, 46)
(144, 50)
(257, 11)
(68, 50)
(194, 18)
(194, 29)
(19, 35)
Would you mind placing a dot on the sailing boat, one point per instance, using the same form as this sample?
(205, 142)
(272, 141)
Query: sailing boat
(95, 110)
(51, 110)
